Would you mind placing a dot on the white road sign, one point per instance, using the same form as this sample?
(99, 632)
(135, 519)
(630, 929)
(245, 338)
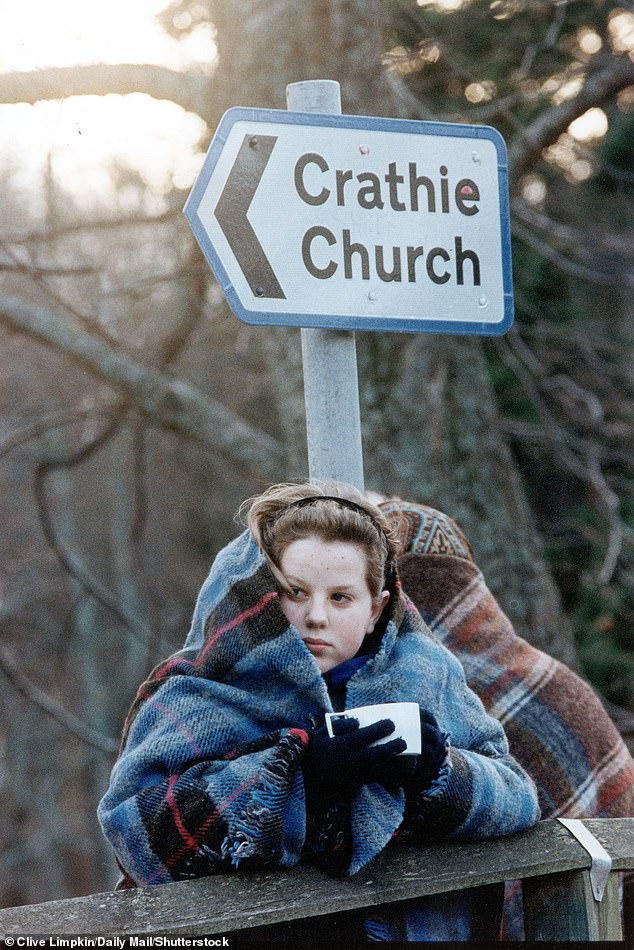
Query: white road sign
(355, 222)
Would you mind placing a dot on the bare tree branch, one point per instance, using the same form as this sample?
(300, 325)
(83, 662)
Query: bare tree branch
(558, 15)
(582, 457)
(190, 89)
(56, 420)
(62, 229)
(167, 402)
(41, 277)
(612, 251)
(612, 276)
(47, 270)
(55, 710)
(548, 126)
(71, 562)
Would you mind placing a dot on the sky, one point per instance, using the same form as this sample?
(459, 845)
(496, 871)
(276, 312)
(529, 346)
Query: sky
(82, 136)
(40, 33)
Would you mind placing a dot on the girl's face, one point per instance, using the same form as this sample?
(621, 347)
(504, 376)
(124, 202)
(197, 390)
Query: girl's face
(331, 605)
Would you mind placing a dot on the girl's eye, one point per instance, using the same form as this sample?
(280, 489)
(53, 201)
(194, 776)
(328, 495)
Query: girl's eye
(340, 598)
(297, 592)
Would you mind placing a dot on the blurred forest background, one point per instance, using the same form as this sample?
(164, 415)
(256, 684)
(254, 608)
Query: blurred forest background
(136, 412)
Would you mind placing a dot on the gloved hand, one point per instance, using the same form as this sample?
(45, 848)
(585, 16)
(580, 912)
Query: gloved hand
(336, 766)
(417, 772)
(433, 752)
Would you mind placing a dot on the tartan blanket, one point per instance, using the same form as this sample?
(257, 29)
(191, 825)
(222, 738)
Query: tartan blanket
(209, 775)
(556, 725)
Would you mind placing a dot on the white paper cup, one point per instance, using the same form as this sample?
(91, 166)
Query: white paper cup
(405, 716)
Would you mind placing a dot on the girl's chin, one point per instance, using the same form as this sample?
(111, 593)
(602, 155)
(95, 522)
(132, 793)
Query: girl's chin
(320, 653)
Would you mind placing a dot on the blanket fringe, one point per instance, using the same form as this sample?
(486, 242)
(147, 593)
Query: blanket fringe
(258, 837)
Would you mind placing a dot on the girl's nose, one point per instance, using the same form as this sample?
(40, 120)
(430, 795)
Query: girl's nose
(316, 614)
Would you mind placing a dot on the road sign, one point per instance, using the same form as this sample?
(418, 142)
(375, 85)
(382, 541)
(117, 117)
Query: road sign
(354, 222)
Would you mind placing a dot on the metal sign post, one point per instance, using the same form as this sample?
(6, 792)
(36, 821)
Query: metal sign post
(331, 390)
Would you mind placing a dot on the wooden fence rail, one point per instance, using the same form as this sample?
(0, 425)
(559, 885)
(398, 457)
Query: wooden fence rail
(559, 904)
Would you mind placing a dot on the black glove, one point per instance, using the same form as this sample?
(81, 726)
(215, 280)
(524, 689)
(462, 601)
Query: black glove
(415, 773)
(433, 752)
(335, 767)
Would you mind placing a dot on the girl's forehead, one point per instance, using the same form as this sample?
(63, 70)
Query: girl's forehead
(315, 553)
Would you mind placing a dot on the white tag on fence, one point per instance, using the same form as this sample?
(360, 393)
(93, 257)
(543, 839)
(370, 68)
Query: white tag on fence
(601, 860)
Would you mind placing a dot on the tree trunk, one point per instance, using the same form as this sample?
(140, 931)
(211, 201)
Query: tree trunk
(453, 456)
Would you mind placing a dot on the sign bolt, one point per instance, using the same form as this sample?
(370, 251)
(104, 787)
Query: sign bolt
(259, 291)
(253, 141)
(483, 302)
(372, 295)
(476, 158)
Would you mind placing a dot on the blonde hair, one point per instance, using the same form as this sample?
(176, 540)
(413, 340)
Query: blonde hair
(333, 511)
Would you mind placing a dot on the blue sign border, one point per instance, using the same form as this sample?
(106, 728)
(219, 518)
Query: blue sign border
(348, 321)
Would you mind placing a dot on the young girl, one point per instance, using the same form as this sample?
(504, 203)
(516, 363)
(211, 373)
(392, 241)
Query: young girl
(226, 761)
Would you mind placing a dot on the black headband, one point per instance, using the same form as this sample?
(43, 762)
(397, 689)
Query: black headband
(344, 502)
(391, 575)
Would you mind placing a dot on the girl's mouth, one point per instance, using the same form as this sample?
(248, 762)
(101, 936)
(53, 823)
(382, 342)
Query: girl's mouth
(314, 643)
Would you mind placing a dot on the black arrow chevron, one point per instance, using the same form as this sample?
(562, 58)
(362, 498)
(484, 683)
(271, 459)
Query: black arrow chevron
(231, 214)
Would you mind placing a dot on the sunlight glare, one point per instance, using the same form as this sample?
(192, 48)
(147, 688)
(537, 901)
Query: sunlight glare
(505, 9)
(621, 28)
(589, 41)
(444, 6)
(533, 189)
(590, 126)
(87, 140)
(564, 153)
(41, 33)
(480, 91)
(581, 169)
(625, 99)
(567, 90)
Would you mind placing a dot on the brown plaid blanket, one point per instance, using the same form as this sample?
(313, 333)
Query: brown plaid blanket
(556, 725)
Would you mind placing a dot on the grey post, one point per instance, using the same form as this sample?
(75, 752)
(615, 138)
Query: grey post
(331, 389)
